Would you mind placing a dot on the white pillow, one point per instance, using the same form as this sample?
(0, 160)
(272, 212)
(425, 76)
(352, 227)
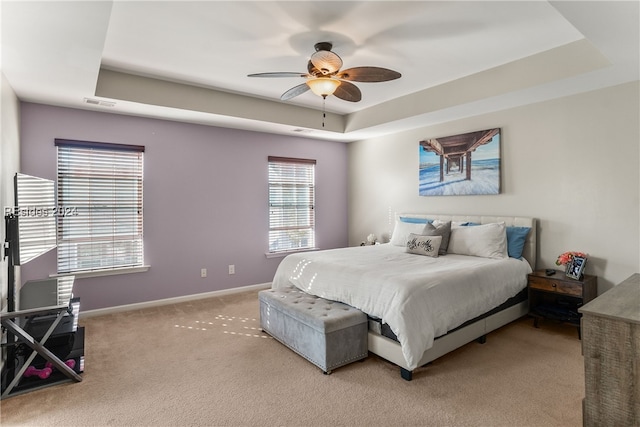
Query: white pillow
(423, 245)
(402, 230)
(487, 241)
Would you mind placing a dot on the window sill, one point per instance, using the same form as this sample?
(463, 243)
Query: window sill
(100, 273)
(285, 253)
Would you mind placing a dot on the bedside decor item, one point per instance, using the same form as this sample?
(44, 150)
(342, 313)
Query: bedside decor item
(576, 268)
(574, 263)
(371, 240)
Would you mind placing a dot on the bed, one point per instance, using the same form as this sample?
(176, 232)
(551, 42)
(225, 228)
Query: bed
(423, 304)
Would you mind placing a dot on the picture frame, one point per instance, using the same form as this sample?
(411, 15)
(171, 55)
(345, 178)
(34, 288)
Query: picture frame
(460, 165)
(576, 268)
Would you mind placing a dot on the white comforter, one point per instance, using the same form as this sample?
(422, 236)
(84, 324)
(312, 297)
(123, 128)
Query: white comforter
(419, 297)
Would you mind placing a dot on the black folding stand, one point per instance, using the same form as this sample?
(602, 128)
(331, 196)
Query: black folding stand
(50, 304)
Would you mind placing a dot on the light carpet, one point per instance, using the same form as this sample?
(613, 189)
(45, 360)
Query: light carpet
(206, 363)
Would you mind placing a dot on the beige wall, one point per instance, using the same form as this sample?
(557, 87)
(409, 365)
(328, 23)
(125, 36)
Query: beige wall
(572, 163)
(9, 163)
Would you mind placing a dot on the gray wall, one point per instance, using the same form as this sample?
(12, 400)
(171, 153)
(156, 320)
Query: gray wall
(573, 163)
(205, 200)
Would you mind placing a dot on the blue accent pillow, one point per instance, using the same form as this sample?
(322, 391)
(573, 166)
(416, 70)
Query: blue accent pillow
(516, 237)
(415, 220)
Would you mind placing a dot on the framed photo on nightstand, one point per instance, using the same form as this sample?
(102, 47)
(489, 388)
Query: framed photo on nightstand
(576, 268)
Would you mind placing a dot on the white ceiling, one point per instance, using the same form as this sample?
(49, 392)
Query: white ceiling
(189, 61)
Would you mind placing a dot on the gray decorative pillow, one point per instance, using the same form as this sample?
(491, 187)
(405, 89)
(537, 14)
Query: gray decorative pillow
(423, 245)
(443, 230)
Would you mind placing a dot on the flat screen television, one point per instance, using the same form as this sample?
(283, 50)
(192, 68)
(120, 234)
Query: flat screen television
(35, 214)
(30, 225)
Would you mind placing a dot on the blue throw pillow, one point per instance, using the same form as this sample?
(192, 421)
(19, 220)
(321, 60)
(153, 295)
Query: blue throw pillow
(516, 237)
(415, 220)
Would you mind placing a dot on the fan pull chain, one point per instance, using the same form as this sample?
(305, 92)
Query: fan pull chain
(324, 114)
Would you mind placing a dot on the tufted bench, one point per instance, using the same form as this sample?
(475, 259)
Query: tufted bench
(327, 333)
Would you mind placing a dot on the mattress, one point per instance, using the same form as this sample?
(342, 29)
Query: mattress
(419, 297)
(376, 325)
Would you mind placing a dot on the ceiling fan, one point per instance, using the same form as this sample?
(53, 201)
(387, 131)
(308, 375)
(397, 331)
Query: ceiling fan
(324, 77)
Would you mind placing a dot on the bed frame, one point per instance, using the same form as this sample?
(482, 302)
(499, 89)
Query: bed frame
(390, 350)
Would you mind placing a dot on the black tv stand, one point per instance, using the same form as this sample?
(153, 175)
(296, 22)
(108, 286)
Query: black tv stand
(44, 332)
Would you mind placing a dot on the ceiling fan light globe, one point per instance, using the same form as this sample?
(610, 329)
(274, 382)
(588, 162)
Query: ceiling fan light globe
(323, 86)
(326, 61)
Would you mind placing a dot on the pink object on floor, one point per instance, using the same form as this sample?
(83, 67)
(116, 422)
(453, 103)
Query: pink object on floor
(43, 374)
(71, 363)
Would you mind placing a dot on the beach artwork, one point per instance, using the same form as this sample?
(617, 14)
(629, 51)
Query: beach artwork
(460, 165)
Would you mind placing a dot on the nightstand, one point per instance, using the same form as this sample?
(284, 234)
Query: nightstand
(558, 297)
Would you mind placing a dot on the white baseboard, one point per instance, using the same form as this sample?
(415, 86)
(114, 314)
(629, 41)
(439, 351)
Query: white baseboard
(166, 301)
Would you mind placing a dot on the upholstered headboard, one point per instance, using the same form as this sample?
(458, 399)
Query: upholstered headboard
(530, 247)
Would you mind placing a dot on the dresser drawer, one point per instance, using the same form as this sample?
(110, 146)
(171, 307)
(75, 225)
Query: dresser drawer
(559, 286)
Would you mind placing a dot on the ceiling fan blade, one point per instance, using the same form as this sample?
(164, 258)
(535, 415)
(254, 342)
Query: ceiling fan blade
(326, 61)
(368, 74)
(348, 92)
(294, 91)
(278, 74)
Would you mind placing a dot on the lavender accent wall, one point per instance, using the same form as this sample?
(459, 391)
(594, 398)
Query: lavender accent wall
(205, 200)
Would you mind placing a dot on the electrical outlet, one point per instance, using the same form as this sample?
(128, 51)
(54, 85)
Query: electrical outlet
(203, 272)
(232, 269)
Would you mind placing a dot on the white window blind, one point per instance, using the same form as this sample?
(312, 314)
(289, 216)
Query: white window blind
(100, 193)
(291, 204)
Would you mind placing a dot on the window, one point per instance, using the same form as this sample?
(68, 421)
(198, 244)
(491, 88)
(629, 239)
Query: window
(291, 204)
(100, 206)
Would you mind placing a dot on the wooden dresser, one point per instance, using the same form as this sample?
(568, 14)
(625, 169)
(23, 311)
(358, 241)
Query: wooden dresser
(611, 348)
